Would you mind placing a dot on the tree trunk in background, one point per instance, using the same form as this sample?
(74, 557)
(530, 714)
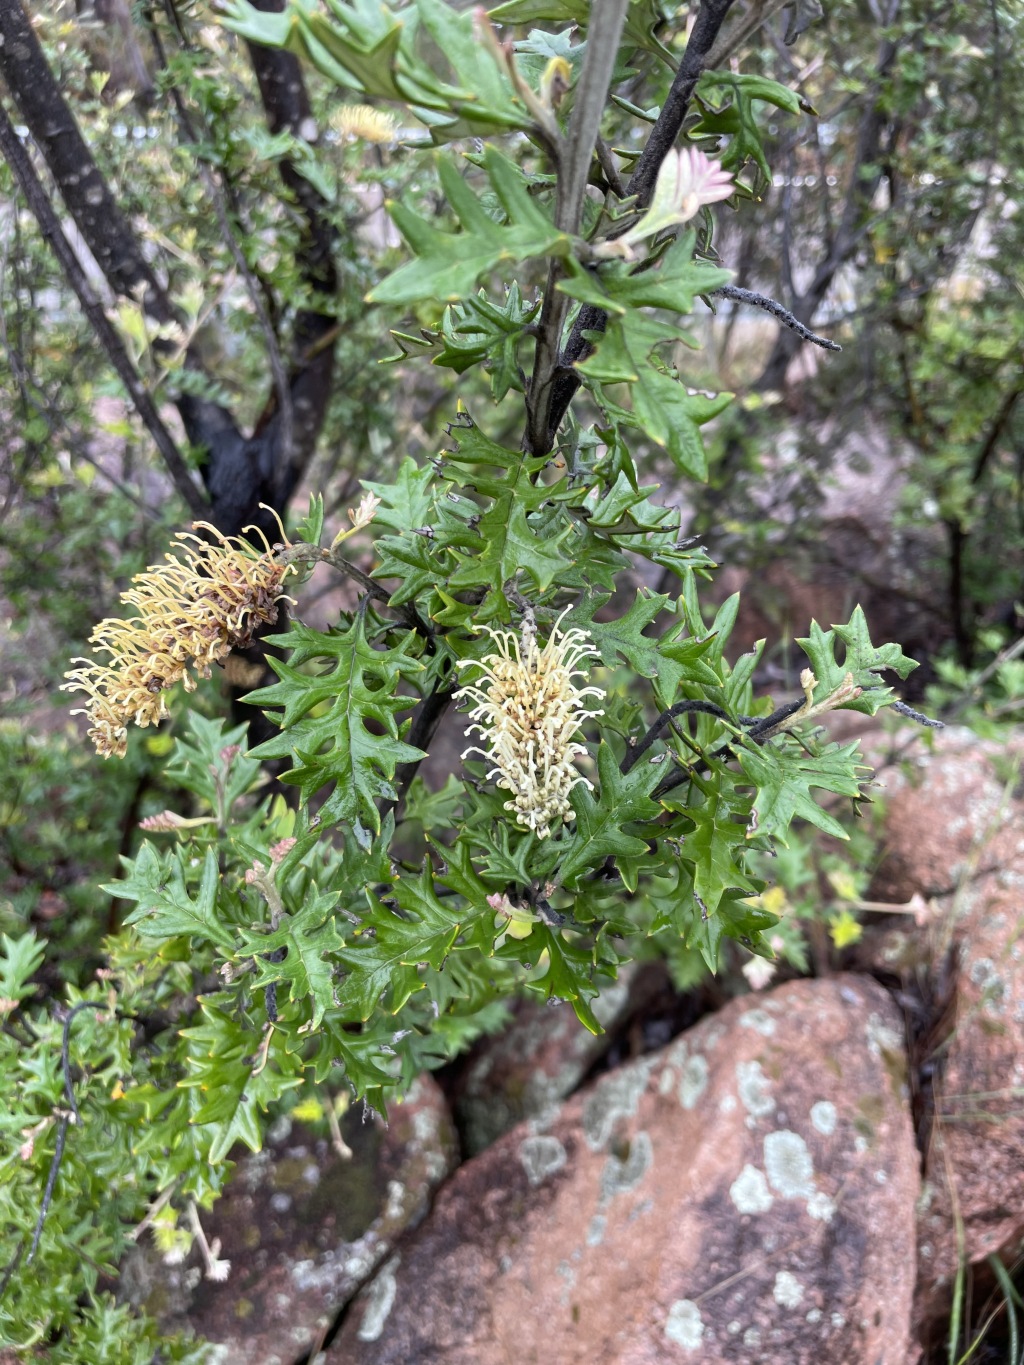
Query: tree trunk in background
(240, 471)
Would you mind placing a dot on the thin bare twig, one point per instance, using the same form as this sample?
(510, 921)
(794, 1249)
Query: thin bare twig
(780, 314)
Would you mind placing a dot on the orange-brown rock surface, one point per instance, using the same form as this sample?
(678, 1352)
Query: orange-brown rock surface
(745, 1194)
(955, 834)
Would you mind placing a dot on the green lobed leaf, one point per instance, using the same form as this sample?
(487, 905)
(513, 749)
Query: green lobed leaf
(736, 119)
(861, 658)
(383, 957)
(222, 1068)
(20, 958)
(599, 829)
(711, 848)
(307, 936)
(324, 718)
(164, 906)
(447, 265)
(784, 777)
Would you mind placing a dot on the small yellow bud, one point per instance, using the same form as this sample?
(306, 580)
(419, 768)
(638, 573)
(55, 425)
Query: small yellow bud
(555, 82)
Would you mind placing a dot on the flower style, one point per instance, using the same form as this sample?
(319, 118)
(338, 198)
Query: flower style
(528, 712)
(191, 613)
(687, 180)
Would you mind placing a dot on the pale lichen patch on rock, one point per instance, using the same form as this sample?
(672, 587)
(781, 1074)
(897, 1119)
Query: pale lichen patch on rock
(882, 1037)
(749, 1191)
(821, 1207)
(614, 1097)
(380, 1298)
(754, 1089)
(788, 1165)
(541, 1156)
(824, 1117)
(693, 1082)
(684, 1325)
(760, 1021)
(622, 1174)
(788, 1291)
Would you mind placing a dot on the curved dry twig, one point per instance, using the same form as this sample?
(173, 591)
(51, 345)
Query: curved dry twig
(780, 314)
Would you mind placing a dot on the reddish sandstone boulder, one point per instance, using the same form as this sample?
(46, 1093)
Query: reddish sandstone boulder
(746, 1194)
(542, 1056)
(955, 834)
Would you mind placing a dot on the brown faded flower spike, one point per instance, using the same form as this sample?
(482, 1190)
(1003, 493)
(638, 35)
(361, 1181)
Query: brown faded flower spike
(193, 609)
(529, 708)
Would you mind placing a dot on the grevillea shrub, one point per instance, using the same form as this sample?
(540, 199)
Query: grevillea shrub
(625, 768)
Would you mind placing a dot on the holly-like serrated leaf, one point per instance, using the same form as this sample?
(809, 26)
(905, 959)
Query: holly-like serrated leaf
(20, 958)
(663, 407)
(477, 331)
(165, 908)
(570, 973)
(449, 265)
(784, 777)
(505, 539)
(310, 940)
(213, 764)
(221, 1067)
(598, 832)
(710, 847)
(624, 509)
(623, 637)
(672, 284)
(335, 744)
(863, 659)
(669, 662)
(643, 18)
(363, 46)
(406, 503)
(477, 462)
(735, 119)
(418, 562)
(382, 960)
(510, 544)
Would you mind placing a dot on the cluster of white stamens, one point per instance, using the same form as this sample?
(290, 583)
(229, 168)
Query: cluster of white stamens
(527, 709)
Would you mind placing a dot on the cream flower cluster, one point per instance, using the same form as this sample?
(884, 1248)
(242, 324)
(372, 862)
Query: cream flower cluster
(191, 614)
(528, 708)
